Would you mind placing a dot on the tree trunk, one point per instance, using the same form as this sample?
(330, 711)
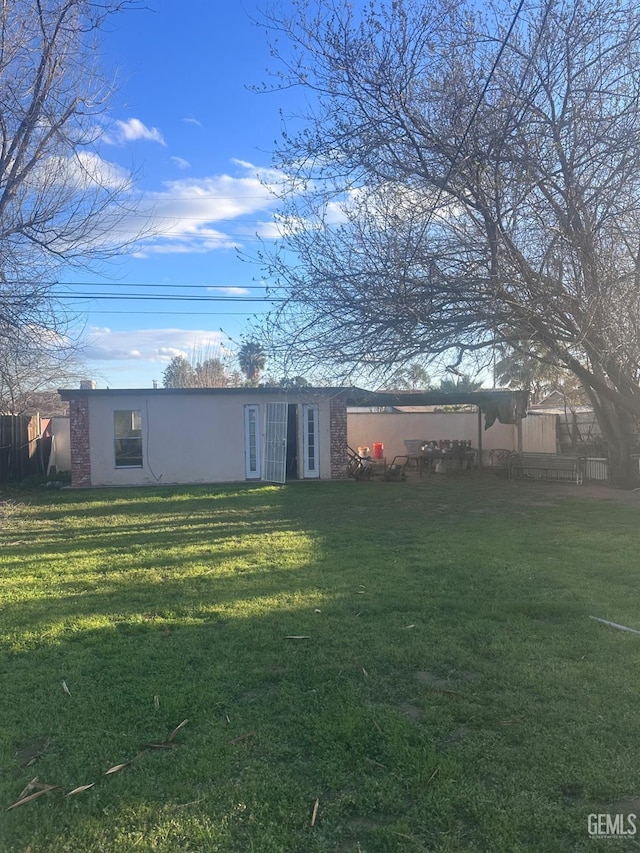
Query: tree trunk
(618, 428)
(623, 471)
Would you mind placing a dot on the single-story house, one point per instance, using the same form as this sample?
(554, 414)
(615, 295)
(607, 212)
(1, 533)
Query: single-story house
(205, 435)
(215, 435)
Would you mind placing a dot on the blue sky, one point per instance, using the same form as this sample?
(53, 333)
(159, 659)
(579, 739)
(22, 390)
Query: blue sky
(184, 118)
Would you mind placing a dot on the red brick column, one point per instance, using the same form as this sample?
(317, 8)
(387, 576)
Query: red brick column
(79, 442)
(338, 430)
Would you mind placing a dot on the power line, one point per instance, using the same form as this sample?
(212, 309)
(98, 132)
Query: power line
(148, 312)
(144, 297)
(110, 283)
(178, 217)
(151, 284)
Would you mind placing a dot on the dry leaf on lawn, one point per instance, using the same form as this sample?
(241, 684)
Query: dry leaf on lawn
(177, 729)
(32, 797)
(80, 789)
(116, 768)
(240, 738)
(29, 787)
(433, 775)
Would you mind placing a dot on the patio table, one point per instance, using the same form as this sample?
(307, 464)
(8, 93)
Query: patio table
(464, 458)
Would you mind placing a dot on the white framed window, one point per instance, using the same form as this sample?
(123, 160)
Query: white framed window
(127, 438)
(252, 457)
(311, 464)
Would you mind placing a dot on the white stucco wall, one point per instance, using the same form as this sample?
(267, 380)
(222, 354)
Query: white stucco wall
(392, 428)
(189, 438)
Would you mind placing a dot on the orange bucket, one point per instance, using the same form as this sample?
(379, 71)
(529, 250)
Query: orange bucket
(378, 450)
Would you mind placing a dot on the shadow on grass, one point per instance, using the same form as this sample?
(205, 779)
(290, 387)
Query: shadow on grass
(445, 691)
(176, 554)
(274, 723)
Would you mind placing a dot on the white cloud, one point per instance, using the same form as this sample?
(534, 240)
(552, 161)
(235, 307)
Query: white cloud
(102, 171)
(181, 163)
(269, 229)
(192, 120)
(132, 130)
(189, 215)
(195, 215)
(149, 345)
(83, 171)
(231, 291)
(170, 352)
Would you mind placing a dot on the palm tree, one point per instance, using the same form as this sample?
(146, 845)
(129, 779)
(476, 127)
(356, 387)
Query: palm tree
(252, 360)
(530, 371)
(462, 383)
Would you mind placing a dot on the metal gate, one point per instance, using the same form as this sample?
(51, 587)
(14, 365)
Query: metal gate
(275, 443)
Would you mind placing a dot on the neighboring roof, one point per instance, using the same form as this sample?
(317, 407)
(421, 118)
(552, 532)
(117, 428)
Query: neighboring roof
(555, 398)
(411, 410)
(549, 410)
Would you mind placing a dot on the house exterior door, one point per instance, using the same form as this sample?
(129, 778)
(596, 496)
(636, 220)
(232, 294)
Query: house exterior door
(275, 443)
(311, 466)
(252, 455)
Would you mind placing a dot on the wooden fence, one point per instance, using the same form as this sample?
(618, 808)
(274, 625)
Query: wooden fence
(21, 450)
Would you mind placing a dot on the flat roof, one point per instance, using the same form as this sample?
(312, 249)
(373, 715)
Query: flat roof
(496, 403)
(75, 393)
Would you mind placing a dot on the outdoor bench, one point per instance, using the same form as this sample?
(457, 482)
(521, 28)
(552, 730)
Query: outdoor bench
(548, 466)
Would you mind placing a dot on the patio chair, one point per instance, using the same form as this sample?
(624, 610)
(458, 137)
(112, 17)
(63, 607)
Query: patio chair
(413, 446)
(358, 466)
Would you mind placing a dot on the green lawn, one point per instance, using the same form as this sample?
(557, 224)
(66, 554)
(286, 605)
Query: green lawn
(417, 659)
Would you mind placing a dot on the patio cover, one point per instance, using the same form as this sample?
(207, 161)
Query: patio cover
(505, 406)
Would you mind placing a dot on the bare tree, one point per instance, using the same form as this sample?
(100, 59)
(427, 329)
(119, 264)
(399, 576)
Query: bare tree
(211, 373)
(34, 362)
(60, 202)
(206, 367)
(466, 180)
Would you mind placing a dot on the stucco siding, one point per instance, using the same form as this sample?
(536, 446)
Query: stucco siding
(188, 438)
(392, 428)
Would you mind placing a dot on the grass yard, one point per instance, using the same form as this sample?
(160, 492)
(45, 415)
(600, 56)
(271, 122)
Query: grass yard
(366, 667)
